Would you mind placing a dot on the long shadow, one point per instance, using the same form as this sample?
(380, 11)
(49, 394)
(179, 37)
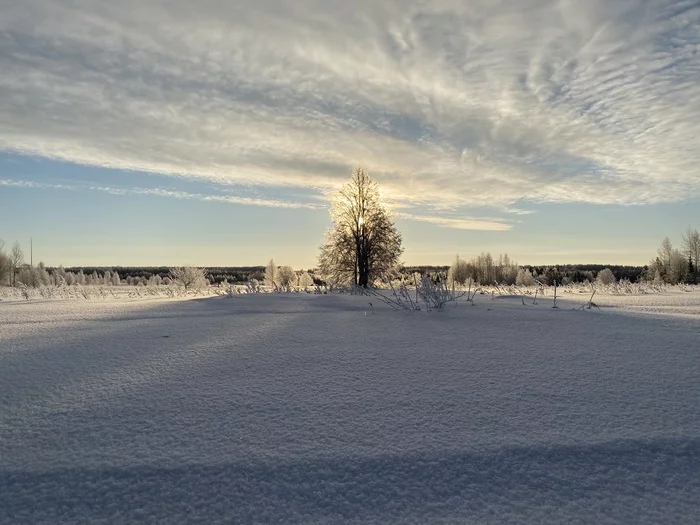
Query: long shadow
(630, 481)
(633, 481)
(116, 342)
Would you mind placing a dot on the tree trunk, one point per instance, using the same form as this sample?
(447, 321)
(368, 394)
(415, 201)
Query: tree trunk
(364, 267)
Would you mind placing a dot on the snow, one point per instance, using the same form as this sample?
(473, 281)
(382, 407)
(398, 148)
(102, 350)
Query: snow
(296, 408)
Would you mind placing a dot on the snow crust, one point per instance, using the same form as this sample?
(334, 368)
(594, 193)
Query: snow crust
(319, 409)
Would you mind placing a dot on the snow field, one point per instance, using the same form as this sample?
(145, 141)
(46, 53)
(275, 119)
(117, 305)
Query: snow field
(312, 409)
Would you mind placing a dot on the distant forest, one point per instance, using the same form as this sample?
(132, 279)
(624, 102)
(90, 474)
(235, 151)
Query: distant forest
(546, 274)
(216, 274)
(575, 273)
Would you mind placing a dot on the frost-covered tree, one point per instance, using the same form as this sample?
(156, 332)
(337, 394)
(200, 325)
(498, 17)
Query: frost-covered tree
(43, 274)
(507, 270)
(672, 264)
(524, 278)
(678, 268)
(305, 280)
(16, 260)
(363, 243)
(34, 276)
(5, 267)
(665, 252)
(286, 277)
(485, 269)
(691, 247)
(190, 277)
(459, 272)
(271, 273)
(605, 277)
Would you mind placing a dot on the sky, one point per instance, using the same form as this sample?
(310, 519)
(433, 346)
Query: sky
(214, 133)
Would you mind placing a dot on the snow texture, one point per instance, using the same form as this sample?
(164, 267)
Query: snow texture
(316, 409)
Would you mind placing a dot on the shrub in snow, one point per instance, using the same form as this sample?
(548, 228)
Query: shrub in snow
(305, 280)
(253, 286)
(189, 277)
(524, 278)
(434, 295)
(605, 277)
(285, 277)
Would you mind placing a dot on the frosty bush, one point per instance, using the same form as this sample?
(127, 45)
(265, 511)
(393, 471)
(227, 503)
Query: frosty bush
(285, 277)
(253, 286)
(524, 278)
(189, 277)
(605, 277)
(305, 280)
(434, 295)
(24, 291)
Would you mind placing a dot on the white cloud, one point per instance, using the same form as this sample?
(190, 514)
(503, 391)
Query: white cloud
(161, 192)
(449, 103)
(462, 223)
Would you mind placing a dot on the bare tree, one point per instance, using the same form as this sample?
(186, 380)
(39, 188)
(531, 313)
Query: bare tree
(363, 243)
(678, 268)
(459, 272)
(5, 271)
(271, 272)
(16, 260)
(507, 269)
(691, 248)
(665, 253)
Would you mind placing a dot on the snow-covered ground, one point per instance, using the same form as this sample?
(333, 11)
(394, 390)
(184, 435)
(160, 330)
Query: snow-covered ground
(315, 409)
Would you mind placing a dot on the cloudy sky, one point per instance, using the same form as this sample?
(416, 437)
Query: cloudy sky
(213, 132)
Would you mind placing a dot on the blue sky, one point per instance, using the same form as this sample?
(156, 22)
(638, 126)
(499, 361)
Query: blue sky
(213, 133)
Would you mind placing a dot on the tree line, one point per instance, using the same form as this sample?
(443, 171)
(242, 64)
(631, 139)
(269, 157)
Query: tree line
(673, 265)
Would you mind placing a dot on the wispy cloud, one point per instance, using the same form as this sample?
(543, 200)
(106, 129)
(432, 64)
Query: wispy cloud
(161, 192)
(450, 104)
(462, 223)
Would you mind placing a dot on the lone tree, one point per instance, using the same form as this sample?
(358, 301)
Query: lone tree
(691, 246)
(271, 273)
(16, 260)
(363, 242)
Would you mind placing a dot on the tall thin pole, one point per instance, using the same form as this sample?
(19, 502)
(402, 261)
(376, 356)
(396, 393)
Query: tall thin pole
(31, 252)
